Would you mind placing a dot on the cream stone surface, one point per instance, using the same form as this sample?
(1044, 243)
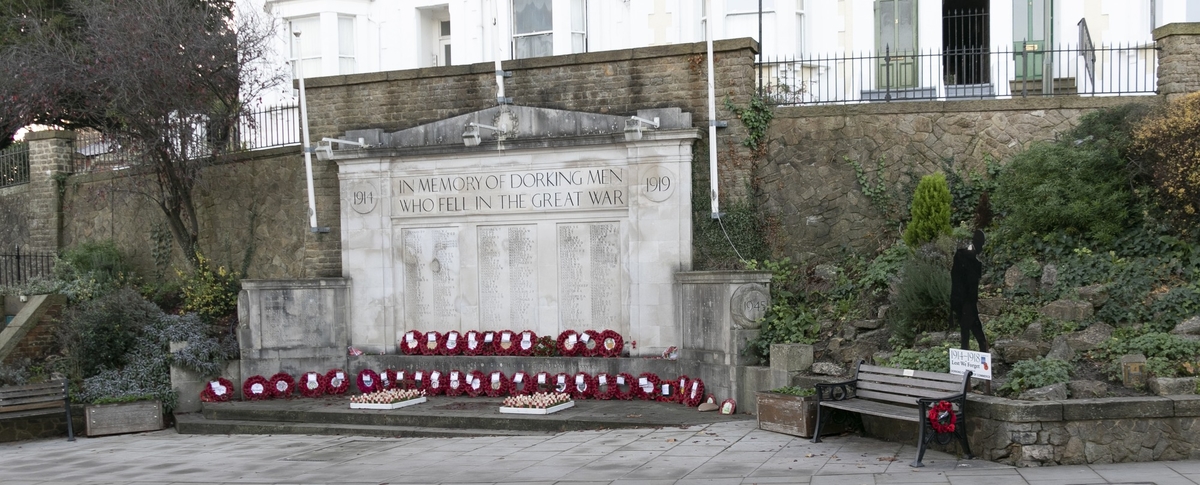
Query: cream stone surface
(578, 231)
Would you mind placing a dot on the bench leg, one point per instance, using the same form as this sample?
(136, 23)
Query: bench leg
(817, 429)
(921, 444)
(70, 423)
(961, 432)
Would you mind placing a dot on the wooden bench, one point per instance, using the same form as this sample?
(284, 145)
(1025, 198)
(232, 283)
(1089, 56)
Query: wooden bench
(38, 396)
(902, 394)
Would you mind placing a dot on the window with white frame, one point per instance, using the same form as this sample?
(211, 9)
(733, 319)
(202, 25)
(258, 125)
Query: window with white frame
(533, 28)
(346, 62)
(703, 20)
(578, 26)
(741, 18)
(306, 48)
(801, 32)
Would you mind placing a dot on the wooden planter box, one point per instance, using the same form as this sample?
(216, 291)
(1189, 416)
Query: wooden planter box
(131, 417)
(794, 415)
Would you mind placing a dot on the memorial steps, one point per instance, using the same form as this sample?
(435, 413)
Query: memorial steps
(441, 416)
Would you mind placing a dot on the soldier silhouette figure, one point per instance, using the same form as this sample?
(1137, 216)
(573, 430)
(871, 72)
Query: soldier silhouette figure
(964, 292)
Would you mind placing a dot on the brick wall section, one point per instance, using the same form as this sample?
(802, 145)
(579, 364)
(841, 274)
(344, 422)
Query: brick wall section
(811, 188)
(50, 155)
(40, 342)
(1178, 59)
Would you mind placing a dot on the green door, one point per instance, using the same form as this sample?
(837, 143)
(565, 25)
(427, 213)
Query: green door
(896, 35)
(1032, 34)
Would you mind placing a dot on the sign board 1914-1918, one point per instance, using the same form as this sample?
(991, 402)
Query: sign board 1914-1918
(979, 363)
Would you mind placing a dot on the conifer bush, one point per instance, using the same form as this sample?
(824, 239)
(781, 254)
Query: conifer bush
(1168, 143)
(930, 211)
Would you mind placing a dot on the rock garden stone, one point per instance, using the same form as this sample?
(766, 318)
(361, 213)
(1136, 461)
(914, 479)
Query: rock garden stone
(1049, 277)
(1190, 326)
(1067, 310)
(992, 306)
(1172, 386)
(1087, 389)
(1033, 332)
(791, 357)
(1016, 350)
(1089, 338)
(828, 369)
(825, 272)
(1053, 392)
(866, 324)
(1015, 279)
(1096, 294)
(881, 314)
(1060, 350)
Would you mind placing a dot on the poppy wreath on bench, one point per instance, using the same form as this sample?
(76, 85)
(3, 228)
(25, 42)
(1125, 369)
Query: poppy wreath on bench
(435, 383)
(942, 418)
(217, 390)
(256, 388)
(526, 342)
(591, 343)
(312, 384)
(475, 385)
(336, 380)
(451, 343)
(496, 384)
(568, 343)
(368, 381)
(583, 386)
(282, 385)
(523, 384)
(457, 382)
(410, 343)
(646, 386)
(611, 344)
(431, 343)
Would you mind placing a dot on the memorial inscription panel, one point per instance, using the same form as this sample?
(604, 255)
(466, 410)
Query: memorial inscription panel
(431, 269)
(507, 276)
(589, 275)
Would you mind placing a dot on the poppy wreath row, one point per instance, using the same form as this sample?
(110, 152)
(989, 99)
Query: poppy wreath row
(590, 343)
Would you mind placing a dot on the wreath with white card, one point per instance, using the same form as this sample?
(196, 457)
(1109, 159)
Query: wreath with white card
(312, 384)
(336, 380)
(282, 385)
(256, 388)
(217, 390)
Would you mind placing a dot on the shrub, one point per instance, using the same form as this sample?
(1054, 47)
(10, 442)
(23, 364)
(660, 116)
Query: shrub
(1011, 322)
(795, 391)
(1168, 142)
(1032, 374)
(100, 334)
(210, 293)
(936, 359)
(1052, 186)
(877, 276)
(930, 211)
(790, 318)
(922, 303)
(102, 261)
(1164, 350)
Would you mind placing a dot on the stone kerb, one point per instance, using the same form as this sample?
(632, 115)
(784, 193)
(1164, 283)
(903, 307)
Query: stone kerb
(1079, 431)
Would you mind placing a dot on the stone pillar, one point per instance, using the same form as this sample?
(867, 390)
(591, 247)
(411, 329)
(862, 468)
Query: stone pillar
(1178, 59)
(50, 154)
(720, 316)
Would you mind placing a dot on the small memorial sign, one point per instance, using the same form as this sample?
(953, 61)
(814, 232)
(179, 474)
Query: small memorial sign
(979, 363)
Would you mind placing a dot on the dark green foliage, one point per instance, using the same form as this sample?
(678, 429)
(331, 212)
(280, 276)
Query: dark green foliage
(790, 318)
(935, 359)
(101, 261)
(930, 211)
(1111, 127)
(100, 334)
(967, 188)
(1164, 352)
(1032, 374)
(1082, 190)
(922, 303)
(795, 391)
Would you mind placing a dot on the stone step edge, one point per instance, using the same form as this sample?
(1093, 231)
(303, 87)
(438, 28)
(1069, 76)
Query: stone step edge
(194, 424)
(506, 422)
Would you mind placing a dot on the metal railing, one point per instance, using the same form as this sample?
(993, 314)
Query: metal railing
(14, 165)
(975, 73)
(193, 138)
(17, 267)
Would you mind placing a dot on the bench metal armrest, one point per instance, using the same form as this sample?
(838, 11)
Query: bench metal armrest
(927, 402)
(836, 391)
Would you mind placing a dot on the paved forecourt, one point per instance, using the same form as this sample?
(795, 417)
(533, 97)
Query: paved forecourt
(729, 452)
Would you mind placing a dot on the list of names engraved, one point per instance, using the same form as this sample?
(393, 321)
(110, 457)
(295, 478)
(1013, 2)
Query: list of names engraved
(507, 276)
(589, 275)
(431, 266)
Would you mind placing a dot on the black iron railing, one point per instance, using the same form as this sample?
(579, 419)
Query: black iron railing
(17, 267)
(192, 138)
(14, 165)
(961, 73)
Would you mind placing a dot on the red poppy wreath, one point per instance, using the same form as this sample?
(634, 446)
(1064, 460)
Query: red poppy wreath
(282, 385)
(611, 343)
(217, 390)
(693, 394)
(312, 384)
(475, 383)
(583, 386)
(387, 379)
(368, 381)
(410, 343)
(605, 386)
(457, 382)
(522, 384)
(496, 384)
(474, 343)
(256, 388)
(544, 382)
(452, 343)
(942, 418)
(431, 343)
(336, 380)
(435, 383)
(568, 343)
(419, 378)
(562, 383)
(506, 342)
(590, 340)
(624, 387)
(667, 391)
(526, 342)
(646, 387)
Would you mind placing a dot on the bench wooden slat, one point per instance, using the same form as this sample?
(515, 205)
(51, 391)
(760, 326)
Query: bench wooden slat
(910, 401)
(26, 407)
(920, 374)
(31, 399)
(54, 392)
(875, 408)
(25, 387)
(909, 392)
(949, 387)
